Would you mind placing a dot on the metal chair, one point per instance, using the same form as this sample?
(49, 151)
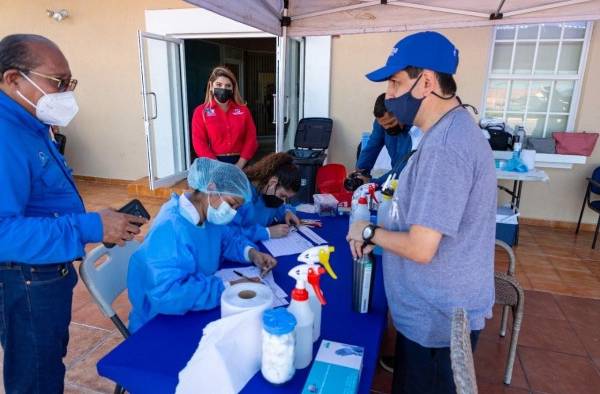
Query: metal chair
(106, 280)
(510, 294)
(510, 271)
(461, 354)
(592, 187)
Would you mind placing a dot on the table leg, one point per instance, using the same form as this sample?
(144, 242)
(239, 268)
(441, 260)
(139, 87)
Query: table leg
(513, 194)
(519, 185)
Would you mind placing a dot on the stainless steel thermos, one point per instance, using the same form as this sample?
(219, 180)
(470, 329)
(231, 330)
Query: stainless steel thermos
(362, 283)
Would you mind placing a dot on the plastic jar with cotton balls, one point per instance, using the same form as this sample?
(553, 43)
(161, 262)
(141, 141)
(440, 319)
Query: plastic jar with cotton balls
(278, 345)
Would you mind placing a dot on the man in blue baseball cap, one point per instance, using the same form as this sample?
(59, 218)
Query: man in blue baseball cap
(438, 235)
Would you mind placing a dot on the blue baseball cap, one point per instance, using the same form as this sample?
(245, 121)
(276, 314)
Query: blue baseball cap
(429, 50)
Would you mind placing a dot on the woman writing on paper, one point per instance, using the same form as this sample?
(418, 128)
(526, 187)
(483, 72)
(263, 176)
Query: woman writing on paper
(173, 270)
(274, 180)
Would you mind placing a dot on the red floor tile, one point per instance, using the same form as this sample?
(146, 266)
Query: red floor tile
(550, 334)
(558, 373)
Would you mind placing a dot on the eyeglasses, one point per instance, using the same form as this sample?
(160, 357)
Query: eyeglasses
(63, 85)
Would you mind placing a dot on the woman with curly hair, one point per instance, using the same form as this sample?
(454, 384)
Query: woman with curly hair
(274, 179)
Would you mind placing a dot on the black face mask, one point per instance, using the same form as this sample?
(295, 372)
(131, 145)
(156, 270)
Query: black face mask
(272, 201)
(222, 95)
(397, 130)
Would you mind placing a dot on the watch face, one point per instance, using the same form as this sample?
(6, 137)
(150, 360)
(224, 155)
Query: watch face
(368, 232)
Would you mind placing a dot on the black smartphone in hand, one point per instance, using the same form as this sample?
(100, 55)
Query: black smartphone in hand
(135, 208)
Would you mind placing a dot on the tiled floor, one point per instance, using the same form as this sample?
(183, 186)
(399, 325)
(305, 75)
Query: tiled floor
(559, 345)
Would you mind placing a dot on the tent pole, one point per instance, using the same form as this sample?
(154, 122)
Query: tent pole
(281, 71)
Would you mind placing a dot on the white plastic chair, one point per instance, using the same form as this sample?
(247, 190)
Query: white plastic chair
(107, 280)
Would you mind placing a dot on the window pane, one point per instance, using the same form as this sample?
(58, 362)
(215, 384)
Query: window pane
(496, 96)
(493, 115)
(574, 29)
(570, 55)
(524, 58)
(556, 123)
(550, 30)
(514, 119)
(534, 125)
(540, 95)
(546, 58)
(562, 96)
(505, 32)
(527, 32)
(501, 59)
(518, 96)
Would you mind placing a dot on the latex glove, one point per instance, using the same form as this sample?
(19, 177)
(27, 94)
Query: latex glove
(292, 219)
(279, 230)
(263, 261)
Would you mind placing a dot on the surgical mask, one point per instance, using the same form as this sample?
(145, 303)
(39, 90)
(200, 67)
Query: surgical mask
(57, 109)
(222, 95)
(222, 215)
(405, 107)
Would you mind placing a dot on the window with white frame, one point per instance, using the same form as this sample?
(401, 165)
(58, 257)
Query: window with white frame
(535, 75)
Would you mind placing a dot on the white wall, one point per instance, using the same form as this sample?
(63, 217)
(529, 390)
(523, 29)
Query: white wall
(317, 76)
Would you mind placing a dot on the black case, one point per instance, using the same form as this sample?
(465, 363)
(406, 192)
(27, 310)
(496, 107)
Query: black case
(311, 140)
(135, 208)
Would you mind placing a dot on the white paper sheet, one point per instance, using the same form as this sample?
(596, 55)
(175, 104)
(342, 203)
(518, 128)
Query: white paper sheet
(279, 296)
(306, 208)
(310, 234)
(294, 243)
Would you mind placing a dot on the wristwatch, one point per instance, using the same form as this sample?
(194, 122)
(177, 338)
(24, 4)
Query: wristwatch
(369, 232)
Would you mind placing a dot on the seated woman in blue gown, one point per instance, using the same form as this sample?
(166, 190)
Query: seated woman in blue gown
(173, 270)
(273, 181)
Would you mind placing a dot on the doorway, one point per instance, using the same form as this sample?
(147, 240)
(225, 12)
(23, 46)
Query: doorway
(253, 61)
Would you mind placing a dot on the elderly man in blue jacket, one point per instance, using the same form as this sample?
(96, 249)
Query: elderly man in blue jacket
(43, 222)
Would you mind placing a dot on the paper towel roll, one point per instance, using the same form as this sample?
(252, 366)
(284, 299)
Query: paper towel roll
(245, 296)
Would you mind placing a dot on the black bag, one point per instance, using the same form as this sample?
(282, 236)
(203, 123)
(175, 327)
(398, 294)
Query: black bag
(499, 138)
(541, 145)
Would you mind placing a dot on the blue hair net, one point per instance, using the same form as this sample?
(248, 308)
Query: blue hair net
(214, 177)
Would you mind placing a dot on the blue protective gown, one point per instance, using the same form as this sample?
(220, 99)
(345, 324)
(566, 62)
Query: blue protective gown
(172, 271)
(254, 217)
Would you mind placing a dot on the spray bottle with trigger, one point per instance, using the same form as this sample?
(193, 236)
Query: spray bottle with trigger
(312, 257)
(300, 308)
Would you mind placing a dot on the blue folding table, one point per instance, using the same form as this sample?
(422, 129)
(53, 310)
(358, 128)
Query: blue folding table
(150, 360)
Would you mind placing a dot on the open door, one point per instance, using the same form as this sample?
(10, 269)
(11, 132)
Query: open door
(162, 61)
(290, 87)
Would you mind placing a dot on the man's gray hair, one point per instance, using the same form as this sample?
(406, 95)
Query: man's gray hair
(17, 53)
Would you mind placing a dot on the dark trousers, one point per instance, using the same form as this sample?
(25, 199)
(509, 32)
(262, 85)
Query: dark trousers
(35, 312)
(229, 159)
(421, 370)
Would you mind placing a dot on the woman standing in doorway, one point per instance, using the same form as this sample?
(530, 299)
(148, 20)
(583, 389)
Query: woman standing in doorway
(222, 127)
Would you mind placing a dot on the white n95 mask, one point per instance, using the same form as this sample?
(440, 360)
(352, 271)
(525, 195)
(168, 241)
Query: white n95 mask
(56, 109)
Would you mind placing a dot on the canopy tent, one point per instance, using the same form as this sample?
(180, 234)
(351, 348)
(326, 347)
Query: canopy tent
(330, 17)
(301, 18)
